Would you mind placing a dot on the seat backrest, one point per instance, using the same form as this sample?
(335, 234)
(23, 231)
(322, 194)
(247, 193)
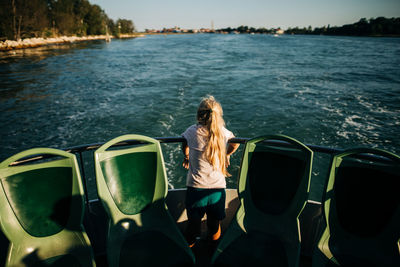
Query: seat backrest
(40, 201)
(362, 207)
(273, 189)
(130, 179)
(132, 185)
(275, 175)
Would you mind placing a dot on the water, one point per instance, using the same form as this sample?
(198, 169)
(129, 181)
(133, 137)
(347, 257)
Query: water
(333, 91)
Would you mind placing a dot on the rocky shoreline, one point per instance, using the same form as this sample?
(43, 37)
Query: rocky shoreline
(36, 42)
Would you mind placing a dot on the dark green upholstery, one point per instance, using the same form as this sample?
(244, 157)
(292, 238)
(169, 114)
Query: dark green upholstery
(41, 210)
(273, 189)
(274, 195)
(132, 177)
(34, 203)
(132, 185)
(362, 211)
(361, 191)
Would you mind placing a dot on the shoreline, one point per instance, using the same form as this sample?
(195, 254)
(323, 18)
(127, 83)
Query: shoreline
(9, 45)
(38, 42)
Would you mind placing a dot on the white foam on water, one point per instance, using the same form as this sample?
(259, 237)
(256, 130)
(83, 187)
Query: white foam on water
(343, 134)
(350, 122)
(364, 129)
(352, 135)
(77, 115)
(170, 164)
(334, 110)
(375, 108)
(167, 121)
(304, 91)
(364, 103)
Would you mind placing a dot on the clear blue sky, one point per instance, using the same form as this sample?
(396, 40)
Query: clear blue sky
(191, 14)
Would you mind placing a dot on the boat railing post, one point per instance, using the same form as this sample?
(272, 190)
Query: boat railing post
(83, 177)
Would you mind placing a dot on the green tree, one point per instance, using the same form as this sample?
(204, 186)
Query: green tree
(34, 18)
(81, 8)
(125, 26)
(243, 29)
(111, 27)
(6, 20)
(96, 20)
(23, 18)
(63, 16)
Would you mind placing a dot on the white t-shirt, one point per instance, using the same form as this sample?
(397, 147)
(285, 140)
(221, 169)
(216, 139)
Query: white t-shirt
(201, 173)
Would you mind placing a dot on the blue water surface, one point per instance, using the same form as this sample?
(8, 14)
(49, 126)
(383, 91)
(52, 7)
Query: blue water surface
(339, 92)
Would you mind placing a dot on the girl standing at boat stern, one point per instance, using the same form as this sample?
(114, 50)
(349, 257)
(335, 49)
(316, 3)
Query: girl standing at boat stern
(207, 152)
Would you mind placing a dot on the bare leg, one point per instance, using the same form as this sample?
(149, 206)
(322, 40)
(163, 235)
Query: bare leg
(214, 229)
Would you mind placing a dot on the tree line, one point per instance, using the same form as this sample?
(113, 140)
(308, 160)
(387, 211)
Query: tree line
(49, 18)
(380, 26)
(245, 29)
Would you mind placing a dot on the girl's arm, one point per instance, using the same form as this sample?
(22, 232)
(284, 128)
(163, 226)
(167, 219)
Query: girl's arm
(232, 147)
(185, 150)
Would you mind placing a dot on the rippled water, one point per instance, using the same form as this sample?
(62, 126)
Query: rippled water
(333, 91)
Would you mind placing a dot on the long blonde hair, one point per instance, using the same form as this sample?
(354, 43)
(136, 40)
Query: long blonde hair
(210, 115)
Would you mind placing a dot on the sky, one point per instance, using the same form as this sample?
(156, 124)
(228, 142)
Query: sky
(191, 14)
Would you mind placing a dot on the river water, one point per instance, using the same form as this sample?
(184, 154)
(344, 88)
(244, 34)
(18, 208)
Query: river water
(339, 92)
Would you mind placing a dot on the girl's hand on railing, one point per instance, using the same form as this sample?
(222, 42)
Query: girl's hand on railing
(185, 163)
(228, 160)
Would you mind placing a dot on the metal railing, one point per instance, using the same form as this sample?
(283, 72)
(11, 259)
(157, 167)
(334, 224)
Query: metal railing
(88, 147)
(79, 150)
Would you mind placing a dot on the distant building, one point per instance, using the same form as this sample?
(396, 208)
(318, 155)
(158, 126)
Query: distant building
(179, 30)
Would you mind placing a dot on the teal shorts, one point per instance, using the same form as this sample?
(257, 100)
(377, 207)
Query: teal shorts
(201, 201)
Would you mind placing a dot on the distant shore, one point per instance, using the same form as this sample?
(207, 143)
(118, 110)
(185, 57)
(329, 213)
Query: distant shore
(37, 42)
(9, 45)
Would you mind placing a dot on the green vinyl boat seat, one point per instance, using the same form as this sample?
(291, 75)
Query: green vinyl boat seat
(132, 185)
(42, 208)
(273, 189)
(361, 207)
